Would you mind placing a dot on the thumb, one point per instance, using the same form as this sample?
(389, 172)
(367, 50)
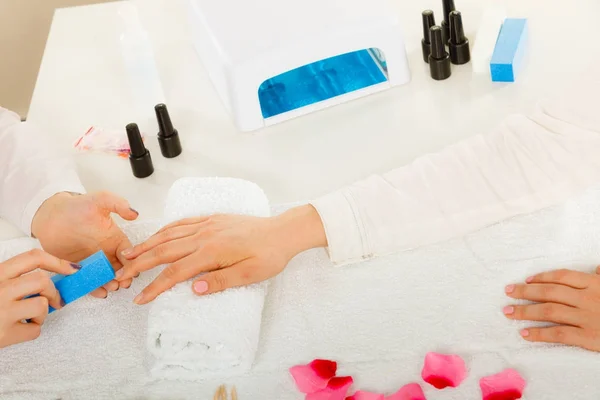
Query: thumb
(115, 204)
(243, 273)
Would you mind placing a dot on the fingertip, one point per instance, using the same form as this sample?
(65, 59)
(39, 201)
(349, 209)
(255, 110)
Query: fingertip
(70, 268)
(126, 284)
(100, 293)
(122, 275)
(57, 303)
(200, 287)
(128, 253)
(112, 286)
(143, 298)
(130, 214)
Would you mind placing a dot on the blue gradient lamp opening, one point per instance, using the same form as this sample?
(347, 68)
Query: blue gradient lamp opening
(322, 80)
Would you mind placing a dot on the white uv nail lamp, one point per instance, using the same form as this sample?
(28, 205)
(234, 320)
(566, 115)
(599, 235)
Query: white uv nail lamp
(273, 60)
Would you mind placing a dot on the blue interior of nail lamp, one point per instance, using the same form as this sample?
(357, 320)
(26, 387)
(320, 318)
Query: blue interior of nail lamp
(322, 80)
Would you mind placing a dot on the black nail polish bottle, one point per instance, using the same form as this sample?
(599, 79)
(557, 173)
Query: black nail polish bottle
(439, 62)
(459, 44)
(428, 22)
(168, 137)
(139, 158)
(448, 6)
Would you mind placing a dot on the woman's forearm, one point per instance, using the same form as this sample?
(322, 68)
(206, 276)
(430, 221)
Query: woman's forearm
(526, 164)
(31, 170)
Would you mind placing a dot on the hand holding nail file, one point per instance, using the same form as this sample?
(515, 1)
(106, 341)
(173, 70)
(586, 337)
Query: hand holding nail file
(96, 271)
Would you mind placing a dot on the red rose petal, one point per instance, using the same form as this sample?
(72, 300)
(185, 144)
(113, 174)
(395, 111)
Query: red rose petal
(362, 395)
(313, 377)
(336, 389)
(505, 385)
(444, 370)
(412, 391)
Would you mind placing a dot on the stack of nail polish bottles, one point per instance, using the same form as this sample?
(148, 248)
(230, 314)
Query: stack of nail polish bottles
(449, 35)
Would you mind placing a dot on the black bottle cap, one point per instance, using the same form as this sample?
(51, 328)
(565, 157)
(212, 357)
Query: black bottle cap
(448, 6)
(168, 138)
(139, 158)
(459, 44)
(428, 22)
(439, 62)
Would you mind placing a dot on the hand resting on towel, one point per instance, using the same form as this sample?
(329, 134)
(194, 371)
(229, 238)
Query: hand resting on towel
(17, 281)
(230, 250)
(568, 299)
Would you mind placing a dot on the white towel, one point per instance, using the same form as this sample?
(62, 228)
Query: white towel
(377, 319)
(194, 337)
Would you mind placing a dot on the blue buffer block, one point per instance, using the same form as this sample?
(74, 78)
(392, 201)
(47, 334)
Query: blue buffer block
(96, 271)
(509, 51)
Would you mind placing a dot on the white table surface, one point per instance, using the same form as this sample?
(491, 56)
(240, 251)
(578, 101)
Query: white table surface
(82, 82)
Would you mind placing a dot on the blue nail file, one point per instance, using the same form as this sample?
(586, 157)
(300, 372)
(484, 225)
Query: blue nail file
(96, 271)
(509, 50)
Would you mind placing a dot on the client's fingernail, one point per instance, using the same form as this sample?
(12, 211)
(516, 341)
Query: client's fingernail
(509, 288)
(135, 211)
(75, 266)
(62, 303)
(119, 274)
(508, 310)
(529, 280)
(138, 299)
(524, 333)
(127, 252)
(200, 287)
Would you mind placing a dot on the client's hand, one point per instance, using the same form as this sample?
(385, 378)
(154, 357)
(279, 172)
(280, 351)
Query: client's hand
(567, 298)
(229, 250)
(73, 227)
(14, 286)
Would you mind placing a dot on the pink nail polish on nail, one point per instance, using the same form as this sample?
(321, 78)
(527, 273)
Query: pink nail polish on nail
(200, 287)
(508, 310)
(524, 333)
(529, 280)
(509, 288)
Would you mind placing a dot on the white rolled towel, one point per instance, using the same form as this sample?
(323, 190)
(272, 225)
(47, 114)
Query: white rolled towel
(192, 337)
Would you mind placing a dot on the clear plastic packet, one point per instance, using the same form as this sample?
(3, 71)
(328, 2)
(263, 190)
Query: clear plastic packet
(104, 141)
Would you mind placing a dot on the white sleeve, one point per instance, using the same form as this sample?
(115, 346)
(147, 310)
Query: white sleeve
(31, 171)
(526, 164)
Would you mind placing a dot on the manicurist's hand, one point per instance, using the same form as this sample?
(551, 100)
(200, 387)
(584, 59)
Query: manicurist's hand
(229, 250)
(18, 281)
(570, 299)
(73, 227)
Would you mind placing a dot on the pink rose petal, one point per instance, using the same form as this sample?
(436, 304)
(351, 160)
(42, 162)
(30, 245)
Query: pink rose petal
(412, 391)
(336, 389)
(362, 395)
(443, 370)
(505, 385)
(313, 377)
